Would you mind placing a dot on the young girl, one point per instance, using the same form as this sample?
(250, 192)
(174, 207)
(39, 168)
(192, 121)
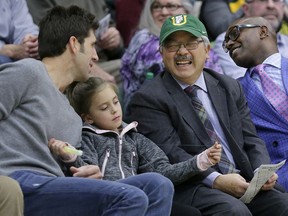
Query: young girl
(115, 146)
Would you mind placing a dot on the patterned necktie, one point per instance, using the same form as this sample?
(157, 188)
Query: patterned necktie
(272, 91)
(224, 165)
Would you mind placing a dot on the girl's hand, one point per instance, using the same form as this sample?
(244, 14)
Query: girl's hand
(87, 171)
(214, 153)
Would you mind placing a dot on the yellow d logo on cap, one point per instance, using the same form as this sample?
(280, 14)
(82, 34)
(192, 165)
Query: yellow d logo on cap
(179, 20)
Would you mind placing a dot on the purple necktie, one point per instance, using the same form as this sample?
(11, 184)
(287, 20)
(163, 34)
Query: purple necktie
(225, 166)
(272, 91)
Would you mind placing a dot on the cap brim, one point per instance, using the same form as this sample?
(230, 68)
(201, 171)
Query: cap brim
(195, 33)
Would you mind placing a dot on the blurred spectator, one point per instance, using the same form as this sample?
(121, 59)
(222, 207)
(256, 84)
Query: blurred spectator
(111, 5)
(273, 11)
(143, 54)
(127, 17)
(284, 27)
(110, 45)
(217, 15)
(18, 33)
(97, 71)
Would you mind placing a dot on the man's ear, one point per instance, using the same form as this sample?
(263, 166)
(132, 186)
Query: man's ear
(73, 44)
(87, 118)
(264, 32)
(207, 49)
(161, 49)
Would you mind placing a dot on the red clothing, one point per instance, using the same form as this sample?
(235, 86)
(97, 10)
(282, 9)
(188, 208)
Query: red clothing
(127, 17)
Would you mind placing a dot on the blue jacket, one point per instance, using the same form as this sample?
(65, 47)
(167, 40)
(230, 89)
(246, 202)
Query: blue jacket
(270, 125)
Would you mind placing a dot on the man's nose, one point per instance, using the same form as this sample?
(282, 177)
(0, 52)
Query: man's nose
(95, 57)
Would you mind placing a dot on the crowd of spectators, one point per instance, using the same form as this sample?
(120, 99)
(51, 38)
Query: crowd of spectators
(128, 48)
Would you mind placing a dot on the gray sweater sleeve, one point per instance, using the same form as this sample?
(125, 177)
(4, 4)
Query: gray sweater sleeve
(153, 159)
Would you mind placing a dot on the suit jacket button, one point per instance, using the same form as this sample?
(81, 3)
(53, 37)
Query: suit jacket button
(275, 144)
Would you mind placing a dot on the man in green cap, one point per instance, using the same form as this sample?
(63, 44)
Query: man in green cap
(188, 108)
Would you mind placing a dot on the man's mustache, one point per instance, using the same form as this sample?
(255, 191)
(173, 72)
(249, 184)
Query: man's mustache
(183, 58)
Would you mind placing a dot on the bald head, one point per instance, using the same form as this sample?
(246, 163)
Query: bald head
(250, 40)
(258, 21)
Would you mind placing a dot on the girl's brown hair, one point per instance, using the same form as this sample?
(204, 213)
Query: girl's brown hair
(80, 93)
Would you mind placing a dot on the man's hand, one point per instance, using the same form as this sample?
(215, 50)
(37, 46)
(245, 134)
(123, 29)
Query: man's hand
(14, 51)
(110, 39)
(57, 148)
(232, 184)
(27, 48)
(30, 43)
(87, 171)
(270, 183)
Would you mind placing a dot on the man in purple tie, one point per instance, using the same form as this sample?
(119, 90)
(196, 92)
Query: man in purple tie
(251, 42)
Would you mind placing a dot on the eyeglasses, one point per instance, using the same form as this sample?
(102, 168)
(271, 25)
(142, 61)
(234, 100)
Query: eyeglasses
(170, 7)
(264, 1)
(174, 47)
(234, 33)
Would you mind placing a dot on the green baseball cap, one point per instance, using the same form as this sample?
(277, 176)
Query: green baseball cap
(182, 22)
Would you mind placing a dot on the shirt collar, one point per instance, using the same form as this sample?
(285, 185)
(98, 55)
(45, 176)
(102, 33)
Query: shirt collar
(200, 82)
(273, 61)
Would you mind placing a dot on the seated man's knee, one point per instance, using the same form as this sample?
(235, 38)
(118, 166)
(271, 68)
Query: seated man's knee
(10, 188)
(131, 196)
(164, 184)
(235, 208)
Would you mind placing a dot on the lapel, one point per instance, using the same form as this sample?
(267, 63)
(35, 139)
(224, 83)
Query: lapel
(254, 96)
(217, 96)
(185, 109)
(284, 72)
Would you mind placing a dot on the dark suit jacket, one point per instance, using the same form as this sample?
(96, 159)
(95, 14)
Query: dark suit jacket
(165, 115)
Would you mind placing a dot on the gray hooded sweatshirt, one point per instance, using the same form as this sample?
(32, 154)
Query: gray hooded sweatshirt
(130, 153)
